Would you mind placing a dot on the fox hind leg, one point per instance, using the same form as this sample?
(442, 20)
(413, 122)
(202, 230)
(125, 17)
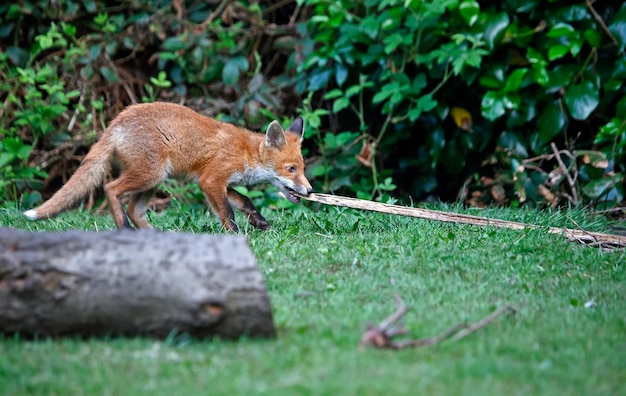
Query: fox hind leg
(137, 207)
(135, 183)
(246, 206)
(125, 222)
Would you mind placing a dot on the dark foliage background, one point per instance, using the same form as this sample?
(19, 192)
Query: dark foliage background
(511, 103)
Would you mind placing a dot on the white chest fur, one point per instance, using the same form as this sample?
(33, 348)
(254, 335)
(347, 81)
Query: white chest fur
(251, 176)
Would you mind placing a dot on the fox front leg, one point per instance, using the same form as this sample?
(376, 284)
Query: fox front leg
(246, 206)
(218, 200)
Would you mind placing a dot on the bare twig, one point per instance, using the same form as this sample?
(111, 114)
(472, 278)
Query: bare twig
(218, 11)
(381, 336)
(598, 19)
(397, 316)
(570, 181)
(484, 322)
(612, 210)
(441, 337)
(295, 15)
(276, 6)
(81, 100)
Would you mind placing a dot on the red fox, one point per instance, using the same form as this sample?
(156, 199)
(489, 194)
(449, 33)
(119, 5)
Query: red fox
(150, 142)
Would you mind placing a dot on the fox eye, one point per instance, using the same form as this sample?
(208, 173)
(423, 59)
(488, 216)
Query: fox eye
(291, 169)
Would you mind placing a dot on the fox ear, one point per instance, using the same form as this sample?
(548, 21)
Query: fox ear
(275, 135)
(297, 127)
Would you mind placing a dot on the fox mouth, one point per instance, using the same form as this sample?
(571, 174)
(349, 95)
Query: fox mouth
(290, 194)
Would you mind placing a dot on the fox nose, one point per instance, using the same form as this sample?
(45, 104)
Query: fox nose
(309, 190)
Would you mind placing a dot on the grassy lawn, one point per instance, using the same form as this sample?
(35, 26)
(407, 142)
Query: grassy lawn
(332, 271)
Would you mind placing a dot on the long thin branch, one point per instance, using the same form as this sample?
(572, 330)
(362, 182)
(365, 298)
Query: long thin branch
(395, 317)
(587, 237)
(441, 337)
(484, 322)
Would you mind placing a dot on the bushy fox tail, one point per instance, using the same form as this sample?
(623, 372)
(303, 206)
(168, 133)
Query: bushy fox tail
(89, 176)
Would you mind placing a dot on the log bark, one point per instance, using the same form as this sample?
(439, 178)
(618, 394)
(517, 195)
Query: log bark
(606, 241)
(131, 283)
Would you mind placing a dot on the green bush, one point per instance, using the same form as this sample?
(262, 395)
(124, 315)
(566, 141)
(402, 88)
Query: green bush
(520, 74)
(443, 99)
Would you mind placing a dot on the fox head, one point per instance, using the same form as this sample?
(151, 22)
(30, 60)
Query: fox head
(284, 157)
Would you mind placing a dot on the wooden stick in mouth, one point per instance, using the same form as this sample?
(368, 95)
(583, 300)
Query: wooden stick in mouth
(606, 241)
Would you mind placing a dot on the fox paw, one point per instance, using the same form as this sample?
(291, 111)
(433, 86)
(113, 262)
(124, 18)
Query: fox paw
(259, 223)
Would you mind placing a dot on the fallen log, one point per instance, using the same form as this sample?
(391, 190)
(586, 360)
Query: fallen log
(131, 283)
(606, 241)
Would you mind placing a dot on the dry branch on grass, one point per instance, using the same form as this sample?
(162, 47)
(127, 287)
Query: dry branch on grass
(382, 335)
(606, 241)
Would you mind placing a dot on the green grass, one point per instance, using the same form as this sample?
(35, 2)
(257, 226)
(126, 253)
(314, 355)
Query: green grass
(329, 273)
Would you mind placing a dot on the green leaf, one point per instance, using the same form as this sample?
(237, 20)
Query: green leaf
(396, 97)
(457, 64)
(475, 57)
(469, 10)
(353, 90)
(597, 188)
(575, 44)
(539, 74)
(512, 142)
(233, 68)
(319, 79)
(392, 42)
(550, 122)
(560, 30)
(109, 74)
(12, 144)
(557, 51)
(384, 93)
(341, 73)
(514, 81)
(24, 151)
(492, 78)
(593, 37)
(6, 158)
(18, 56)
(340, 104)
(369, 25)
(621, 108)
(174, 44)
(560, 77)
(426, 102)
(14, 11)
(319, 19)
(492, 105)
(101, 18)
(333, 94)
(617, 27)
(6, 29)
(418, 83)
(495, 27)
(581, 100)
(415, 113)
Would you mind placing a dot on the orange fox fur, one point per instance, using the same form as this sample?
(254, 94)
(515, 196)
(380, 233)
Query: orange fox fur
(153, 141)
